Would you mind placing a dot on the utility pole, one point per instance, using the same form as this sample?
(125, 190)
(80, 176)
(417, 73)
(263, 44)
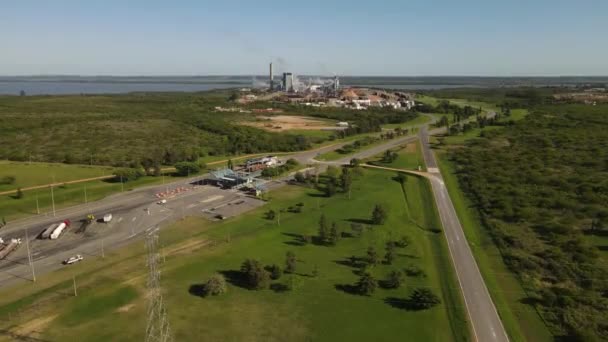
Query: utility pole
(37, 206)
(157, 327)
(279, 217)
(74, 282)
(53, 200)
(122, 185)
(85, 194)
(29, 255)
(103, 255)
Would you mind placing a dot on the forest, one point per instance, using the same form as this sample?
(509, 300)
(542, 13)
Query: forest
(540, 187)
(130, 130)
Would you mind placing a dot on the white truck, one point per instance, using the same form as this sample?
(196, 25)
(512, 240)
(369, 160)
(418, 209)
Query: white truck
(7, 247)
(60, 228)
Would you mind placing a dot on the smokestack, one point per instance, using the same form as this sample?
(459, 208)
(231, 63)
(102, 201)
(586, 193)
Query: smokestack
(271, 78)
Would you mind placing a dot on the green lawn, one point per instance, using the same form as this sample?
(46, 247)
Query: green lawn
(27, 174)
(408, 157)
(111, 301)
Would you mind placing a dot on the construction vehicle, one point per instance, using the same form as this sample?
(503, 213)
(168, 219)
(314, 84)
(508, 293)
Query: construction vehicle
(60, 228)
(7, 248)
(73, 260)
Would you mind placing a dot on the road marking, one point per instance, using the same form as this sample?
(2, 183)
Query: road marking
(119, 219)
(135, 218)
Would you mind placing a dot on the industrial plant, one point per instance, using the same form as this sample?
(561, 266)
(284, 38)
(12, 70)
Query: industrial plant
(324, 91)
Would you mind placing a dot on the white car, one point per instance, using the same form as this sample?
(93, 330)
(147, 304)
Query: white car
(163, 201)
(73, 260)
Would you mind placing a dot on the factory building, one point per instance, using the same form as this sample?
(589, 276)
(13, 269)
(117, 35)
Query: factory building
(288, 82)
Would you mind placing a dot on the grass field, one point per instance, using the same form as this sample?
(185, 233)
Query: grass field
(409, 157)
(111, 299)
(27, 174)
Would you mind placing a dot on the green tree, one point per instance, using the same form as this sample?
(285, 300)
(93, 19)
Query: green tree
(389, 257)
(355, 162)
(230, 165)
(323, 229)
(330, 188)
(346, 179)
(299, 177)
(275, 272)
(271, 214)
(216, 285)
(394, 280)
(290, 262)
(334, 234)
(357, 229)
(379, 214)
(401, 178)
(19, 194)
(372, 256)
(403, 242)
(255, 275)
(187, 168)
(423, 298)
(367, 284)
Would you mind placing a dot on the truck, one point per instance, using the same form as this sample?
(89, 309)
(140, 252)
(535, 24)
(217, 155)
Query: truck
(7, 248)
(107, 218)
(47, 232)
(60, 228)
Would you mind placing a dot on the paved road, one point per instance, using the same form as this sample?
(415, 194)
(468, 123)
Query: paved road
(484, 318)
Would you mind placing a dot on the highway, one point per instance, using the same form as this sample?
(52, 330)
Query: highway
(485, 322)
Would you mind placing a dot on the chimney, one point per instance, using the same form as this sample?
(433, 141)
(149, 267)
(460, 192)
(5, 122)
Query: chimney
(271, 78)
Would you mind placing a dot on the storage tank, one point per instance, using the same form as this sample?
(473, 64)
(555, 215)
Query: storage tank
(47, 232)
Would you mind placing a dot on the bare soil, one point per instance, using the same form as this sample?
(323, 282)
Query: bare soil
(288, 122)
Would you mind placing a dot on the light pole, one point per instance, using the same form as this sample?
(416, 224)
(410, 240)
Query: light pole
(53, 200)
(29, 255)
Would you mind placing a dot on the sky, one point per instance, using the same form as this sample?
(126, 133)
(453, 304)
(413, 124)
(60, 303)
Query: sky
(382, 37)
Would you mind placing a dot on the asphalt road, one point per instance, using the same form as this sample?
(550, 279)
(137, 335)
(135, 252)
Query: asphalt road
(484, 318)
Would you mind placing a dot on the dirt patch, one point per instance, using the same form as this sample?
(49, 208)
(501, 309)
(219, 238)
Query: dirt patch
(411, 148)
(187, 247)
(288, 122)
(125, 308)
(33, 328)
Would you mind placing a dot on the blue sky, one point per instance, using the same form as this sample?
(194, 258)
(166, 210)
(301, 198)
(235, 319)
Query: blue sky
(382, 37)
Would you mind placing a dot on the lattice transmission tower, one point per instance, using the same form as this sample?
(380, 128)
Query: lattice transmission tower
(157, 327)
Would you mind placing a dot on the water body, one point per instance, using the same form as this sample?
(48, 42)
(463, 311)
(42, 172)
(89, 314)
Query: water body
(56, 85)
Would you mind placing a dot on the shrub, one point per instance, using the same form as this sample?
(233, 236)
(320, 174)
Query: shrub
(216, 285)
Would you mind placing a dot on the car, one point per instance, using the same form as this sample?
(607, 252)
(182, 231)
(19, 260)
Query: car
(220, 217)
(163, 201)
(73, 260)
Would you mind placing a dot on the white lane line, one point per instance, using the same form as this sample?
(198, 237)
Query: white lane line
(133, 220)
(119, 219)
